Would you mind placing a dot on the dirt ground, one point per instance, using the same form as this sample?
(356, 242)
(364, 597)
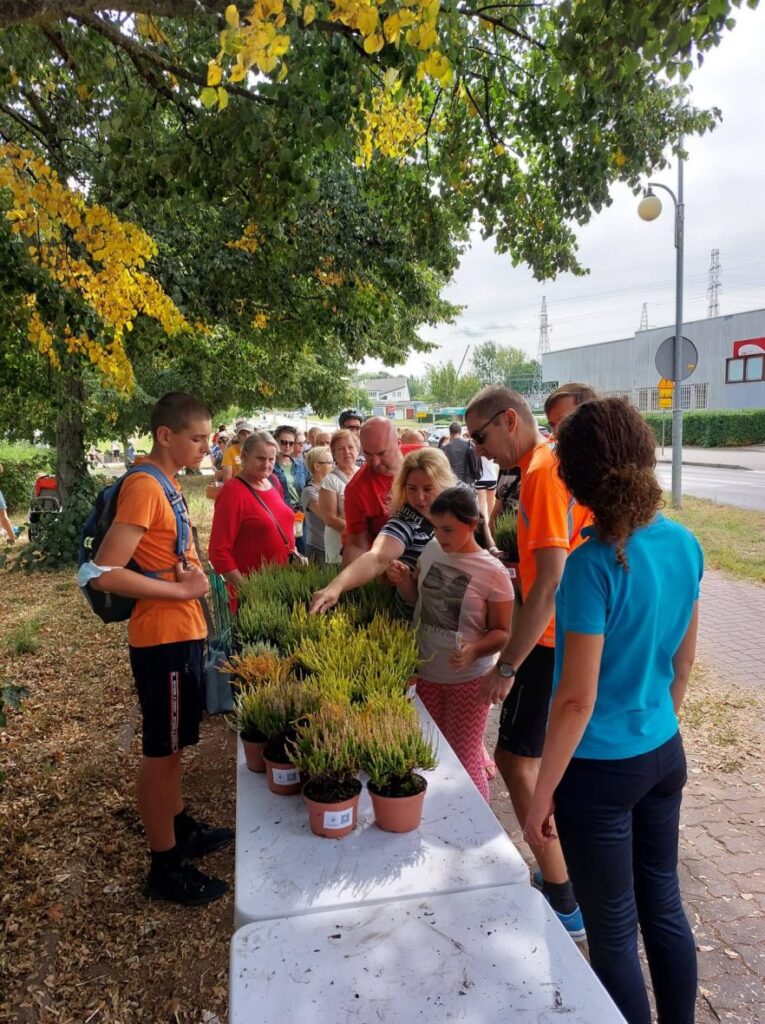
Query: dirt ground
(78, 941)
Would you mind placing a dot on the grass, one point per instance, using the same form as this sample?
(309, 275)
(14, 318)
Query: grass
(733, 539)
(719, 721)
(23, 639)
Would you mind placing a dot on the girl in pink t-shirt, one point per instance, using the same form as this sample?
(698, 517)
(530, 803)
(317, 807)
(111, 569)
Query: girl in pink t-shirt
(464, 605)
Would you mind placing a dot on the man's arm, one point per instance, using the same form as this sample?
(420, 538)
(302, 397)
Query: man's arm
(116, 550)
(533, 616)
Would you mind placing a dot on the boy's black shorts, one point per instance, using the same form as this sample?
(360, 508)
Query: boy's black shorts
(169, 681)
(523, 719)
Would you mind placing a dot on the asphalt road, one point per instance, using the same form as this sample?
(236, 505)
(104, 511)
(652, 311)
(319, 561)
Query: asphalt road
(744, 488)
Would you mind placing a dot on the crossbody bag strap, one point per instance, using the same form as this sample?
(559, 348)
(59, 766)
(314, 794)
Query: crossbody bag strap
(211, 630)
(258, 498)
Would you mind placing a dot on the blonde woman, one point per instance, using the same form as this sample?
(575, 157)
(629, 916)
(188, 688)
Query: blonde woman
(344, 446)
(319, 463)
(425, 473)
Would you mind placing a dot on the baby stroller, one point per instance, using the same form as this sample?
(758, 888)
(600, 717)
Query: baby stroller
(45, 506)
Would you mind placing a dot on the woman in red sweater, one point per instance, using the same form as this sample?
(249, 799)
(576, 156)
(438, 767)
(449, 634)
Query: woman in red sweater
(251, 524)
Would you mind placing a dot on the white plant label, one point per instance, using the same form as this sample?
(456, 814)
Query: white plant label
(286, 776)
(338, 819)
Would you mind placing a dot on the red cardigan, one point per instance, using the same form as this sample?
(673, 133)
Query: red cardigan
(243, 534)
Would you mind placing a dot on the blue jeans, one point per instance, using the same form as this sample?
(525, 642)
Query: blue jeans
(618, 824)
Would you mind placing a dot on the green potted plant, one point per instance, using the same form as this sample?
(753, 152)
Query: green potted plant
(326, 751)
(245, 719)
(506, 539)
(272, 711)
(393, 748)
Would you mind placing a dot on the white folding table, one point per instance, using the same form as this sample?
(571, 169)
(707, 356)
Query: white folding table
(283, 870)
(487, 956)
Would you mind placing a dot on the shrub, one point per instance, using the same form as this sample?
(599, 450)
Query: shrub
(326, 745)
(22, 465)
(393, 746)
(707, 428)
(57, 540)
(506, 534)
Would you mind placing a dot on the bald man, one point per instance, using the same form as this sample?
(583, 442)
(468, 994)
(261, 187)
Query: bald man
(550, 524)
(366, 496)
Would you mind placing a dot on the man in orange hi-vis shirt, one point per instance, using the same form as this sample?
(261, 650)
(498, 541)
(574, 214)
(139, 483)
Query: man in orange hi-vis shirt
(550, 522)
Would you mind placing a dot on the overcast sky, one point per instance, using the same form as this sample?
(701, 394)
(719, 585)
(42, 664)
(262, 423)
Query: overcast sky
(631, 261)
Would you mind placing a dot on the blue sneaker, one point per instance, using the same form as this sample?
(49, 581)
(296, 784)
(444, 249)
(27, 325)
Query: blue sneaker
(573, 924)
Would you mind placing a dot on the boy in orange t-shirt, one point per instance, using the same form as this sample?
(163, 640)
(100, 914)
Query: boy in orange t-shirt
(166, 634)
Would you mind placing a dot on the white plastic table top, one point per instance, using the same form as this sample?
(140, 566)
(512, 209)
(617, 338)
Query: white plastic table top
(491, 956)
(282, 869)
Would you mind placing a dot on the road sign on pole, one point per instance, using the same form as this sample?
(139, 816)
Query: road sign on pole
(665, 358)
(666, 390)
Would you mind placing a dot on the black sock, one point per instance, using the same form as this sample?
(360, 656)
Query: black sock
(560, 896)
(165, 860)
(184, 825)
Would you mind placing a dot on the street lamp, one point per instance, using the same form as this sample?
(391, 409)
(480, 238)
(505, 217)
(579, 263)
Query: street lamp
(649, 208)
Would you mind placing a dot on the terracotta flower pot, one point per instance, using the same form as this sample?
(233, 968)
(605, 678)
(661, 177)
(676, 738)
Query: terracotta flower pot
(332, 820)
(283, 778)
(398, 813)
(253, 755)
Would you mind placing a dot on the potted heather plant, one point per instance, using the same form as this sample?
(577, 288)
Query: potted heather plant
(393, 748)
(256, 666)
(272, 710)
(326, 751)
(506, 539)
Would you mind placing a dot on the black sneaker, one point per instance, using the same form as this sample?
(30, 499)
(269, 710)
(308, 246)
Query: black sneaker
(203, 839)
(184, 884)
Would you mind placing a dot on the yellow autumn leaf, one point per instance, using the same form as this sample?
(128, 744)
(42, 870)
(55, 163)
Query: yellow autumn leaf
(392, 30)
(391, 75)
(238, 73)
(309, 13)
(222, 99)
(367, 21)
(232, 16)
(282, 72)
(373, 44)
(267, 62)
(499, 149)
(280, 45)
(281, 21)
(214, 73)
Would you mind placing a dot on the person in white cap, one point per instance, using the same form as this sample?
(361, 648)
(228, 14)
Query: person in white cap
(232, 457)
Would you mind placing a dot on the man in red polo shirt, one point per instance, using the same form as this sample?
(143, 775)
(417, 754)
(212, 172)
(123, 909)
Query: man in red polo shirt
(366, 496)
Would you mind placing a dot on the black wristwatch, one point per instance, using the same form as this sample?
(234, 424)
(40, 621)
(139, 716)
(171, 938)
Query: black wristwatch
(506, 670)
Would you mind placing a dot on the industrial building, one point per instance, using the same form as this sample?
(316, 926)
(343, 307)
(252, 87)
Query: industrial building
(730, 373)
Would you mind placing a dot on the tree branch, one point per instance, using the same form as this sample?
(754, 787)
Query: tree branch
(25, 12)
(137, 52)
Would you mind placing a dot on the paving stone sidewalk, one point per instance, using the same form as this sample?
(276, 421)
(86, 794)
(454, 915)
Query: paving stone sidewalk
(722, 839)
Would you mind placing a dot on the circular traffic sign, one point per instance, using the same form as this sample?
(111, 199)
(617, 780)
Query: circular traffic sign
(665, 358)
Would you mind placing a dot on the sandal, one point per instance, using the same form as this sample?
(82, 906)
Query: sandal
(490, 768)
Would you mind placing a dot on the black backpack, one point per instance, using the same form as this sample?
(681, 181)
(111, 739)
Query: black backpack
(115, 607)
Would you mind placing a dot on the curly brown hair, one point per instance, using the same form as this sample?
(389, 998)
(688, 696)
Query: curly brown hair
(606, 454)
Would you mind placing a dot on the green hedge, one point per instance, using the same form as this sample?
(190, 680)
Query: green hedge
(21, 466)
(732, 428)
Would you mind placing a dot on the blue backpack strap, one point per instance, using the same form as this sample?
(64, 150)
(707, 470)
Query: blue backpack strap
(177, 503)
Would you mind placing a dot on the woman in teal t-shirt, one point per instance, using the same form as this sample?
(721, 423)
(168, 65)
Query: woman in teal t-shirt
(613, 767)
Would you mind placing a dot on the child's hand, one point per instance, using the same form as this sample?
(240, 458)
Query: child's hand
(193, 580)
(464, 657)
(397, 572)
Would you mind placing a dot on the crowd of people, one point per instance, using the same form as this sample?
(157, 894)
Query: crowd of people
(589, 666)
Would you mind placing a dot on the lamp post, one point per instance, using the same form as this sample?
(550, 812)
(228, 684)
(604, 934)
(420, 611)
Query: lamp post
(649, 208)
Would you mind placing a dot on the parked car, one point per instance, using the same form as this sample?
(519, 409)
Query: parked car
(436, 435)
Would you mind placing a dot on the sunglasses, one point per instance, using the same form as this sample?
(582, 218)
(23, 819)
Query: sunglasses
(479, 436)
(286, 444)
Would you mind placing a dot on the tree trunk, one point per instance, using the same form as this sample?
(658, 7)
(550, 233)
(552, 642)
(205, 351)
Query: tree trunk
(70, 436)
